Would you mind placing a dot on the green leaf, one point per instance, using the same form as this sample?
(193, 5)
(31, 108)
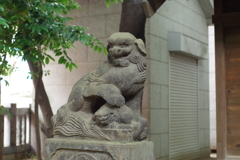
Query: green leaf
(95, 48)
(50, 57)
(44, 28)
(99, 50)
(1, 8)
(47, 60)
(61, 60)
(58, 53)
(6, 83)
(38, 30)
(87, 40)
(108, 3)
(2, 108)
(66, 65)
(74, 65)
(4, 23)
(105, 51)
(82, 38)
(70, 67)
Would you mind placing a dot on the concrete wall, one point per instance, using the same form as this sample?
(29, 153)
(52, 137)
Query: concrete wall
(187, 18)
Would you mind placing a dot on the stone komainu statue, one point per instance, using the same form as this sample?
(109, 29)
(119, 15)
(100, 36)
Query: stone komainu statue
(109, 97)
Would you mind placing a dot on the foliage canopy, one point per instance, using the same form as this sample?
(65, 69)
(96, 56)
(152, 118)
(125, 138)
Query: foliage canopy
(28, 28)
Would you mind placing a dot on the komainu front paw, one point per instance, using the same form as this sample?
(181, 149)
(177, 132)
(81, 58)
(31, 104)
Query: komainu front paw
(115, 100)
(140, 137)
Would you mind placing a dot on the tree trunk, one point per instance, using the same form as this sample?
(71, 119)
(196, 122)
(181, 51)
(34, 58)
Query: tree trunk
(42, 98)
(133, 19)
(39, 157)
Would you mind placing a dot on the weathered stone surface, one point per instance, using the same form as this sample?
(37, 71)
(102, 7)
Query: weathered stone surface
(106, 103)
(102, 119)
(63, 149)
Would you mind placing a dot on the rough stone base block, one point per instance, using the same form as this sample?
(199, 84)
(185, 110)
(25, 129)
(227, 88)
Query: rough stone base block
(63, 149)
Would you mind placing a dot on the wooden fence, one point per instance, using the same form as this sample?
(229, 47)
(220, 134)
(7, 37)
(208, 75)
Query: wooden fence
(19, 136)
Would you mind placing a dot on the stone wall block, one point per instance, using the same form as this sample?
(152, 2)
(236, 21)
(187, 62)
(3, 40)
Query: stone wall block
(197, 22)
(99, 8)
(195, 35)
(154, 48)
(164, 97)
(83, 12)
(203, 81)
(95, 56)
(97, 25)
(113, 22)
(76, 74)
(81, 22)
(78, 53)
(206, 100)
(204, 153)
(178, 27)
(204, 119)
(51, 53)
(164, 53)
(201, 99)
(159, 72)
(156, 139)
(164, 145)
(160, 26)
(173, 10)
(206, 138)
(60, 99)
(146, 97)
(57, 75)
(164, 158)
(203, 65)
(192, 5)
(155, 92)
(159, 120)
(159, 96)
(201, 138)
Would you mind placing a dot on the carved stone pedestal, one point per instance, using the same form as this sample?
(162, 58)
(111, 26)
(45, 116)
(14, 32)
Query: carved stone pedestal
(65, 149)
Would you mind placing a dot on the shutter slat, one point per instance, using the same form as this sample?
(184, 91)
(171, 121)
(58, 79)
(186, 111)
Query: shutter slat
(183, 129)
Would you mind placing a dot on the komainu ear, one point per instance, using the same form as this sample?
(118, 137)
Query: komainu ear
(140, 45)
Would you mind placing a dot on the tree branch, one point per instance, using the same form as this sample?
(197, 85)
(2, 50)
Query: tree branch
(4, 59)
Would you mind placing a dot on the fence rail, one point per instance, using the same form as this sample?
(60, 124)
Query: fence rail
(19, 126)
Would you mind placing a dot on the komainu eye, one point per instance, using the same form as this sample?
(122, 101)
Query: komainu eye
(124, 45)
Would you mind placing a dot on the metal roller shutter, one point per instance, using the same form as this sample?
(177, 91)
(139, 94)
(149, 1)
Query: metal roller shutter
(184, 138)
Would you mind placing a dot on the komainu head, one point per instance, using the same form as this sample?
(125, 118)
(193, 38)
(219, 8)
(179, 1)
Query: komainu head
(123, 47)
